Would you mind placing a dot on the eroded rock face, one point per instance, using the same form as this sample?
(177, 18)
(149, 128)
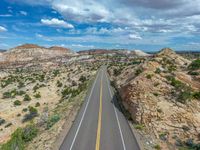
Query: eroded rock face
(150, 98)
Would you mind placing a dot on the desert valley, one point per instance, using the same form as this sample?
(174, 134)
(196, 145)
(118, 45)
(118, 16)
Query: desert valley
(42, 90)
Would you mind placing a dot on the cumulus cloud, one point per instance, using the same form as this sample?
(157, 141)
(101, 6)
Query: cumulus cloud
(56, 23)
(135, 37)
(2, 29)
(23, 13)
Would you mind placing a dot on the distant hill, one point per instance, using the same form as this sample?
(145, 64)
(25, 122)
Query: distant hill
(139, 53)
(28, 52)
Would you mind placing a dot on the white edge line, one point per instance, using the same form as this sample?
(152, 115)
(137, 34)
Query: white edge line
(120, 130)
(83, 113)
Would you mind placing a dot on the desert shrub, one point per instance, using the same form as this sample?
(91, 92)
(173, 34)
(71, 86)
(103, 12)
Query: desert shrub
(8, 81)
(196, 95)
(25, 109)
(158, 71)
(138, 71)
(59, 84)
(82, 78)
(193, 73)
(29, 132)
(36, 87)
(41, 77)
(163, 135)
(184, 96)
(37, 95)
(8, 125)
(7, 95)
(20, 137)
(17, 103)
(74, 83)
(195, 65)
(10, 94)
(21, 84)
(21, 93)
(116, 72)
(139, 126)
(52, 120)
(56, 73)
(149, 76)
(16, 142)
(171, 68)
(176, 83)
(157, 147)
(2, 121)
(37, 104)
(32, 114)
(27, 97)
(65, 92)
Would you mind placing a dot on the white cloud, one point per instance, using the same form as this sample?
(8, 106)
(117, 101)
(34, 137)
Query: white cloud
(23, 13)
(82, 46)
(5, 15)
(43, 37)
(135, 37)
(3, 29)
(56, 23)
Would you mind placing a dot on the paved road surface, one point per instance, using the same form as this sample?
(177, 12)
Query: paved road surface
(99, 124)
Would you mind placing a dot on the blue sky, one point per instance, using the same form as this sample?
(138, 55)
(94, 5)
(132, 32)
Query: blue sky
(86, 24)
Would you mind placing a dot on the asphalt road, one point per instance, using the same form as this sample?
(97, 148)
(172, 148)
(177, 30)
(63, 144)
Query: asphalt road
(99, 124)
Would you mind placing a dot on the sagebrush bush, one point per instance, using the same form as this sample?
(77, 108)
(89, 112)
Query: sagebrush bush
(27, 97)
(52, 120)
(17, 103)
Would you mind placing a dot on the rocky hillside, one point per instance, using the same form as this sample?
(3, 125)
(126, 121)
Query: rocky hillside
(114, 52)
(139, 53)
(30, 52)
(163, 97)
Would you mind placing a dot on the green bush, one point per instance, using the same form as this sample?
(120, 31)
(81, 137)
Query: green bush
(32, 114)
(195, 65)
(7, 95)
(20, 137)
(24, 109)
(27, 97)
(10, 94)
(196, 95)
(59, 84)
(16, 142)
(193, 73)
(2, 121)
(116, 72)
(82, 78)
(29, 132)
(158, 71)
(52, 120)
(37, 104)
(184, 96)
(149, 76)
(138, 71)
(17, 103)
(20, 93)
(37, 95)
(56, 73)
(21, 84)
(157, 147)
(139, 126)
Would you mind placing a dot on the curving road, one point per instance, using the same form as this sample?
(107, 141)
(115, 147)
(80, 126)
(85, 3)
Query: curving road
(99, 124)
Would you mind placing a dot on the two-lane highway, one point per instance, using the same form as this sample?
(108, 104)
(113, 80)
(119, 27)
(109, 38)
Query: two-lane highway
(99, 124)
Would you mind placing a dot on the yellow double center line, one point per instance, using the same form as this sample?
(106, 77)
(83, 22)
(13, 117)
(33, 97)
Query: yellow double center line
(99, 121)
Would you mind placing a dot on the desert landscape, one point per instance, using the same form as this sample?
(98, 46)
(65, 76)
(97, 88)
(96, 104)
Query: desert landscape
(41, 95)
